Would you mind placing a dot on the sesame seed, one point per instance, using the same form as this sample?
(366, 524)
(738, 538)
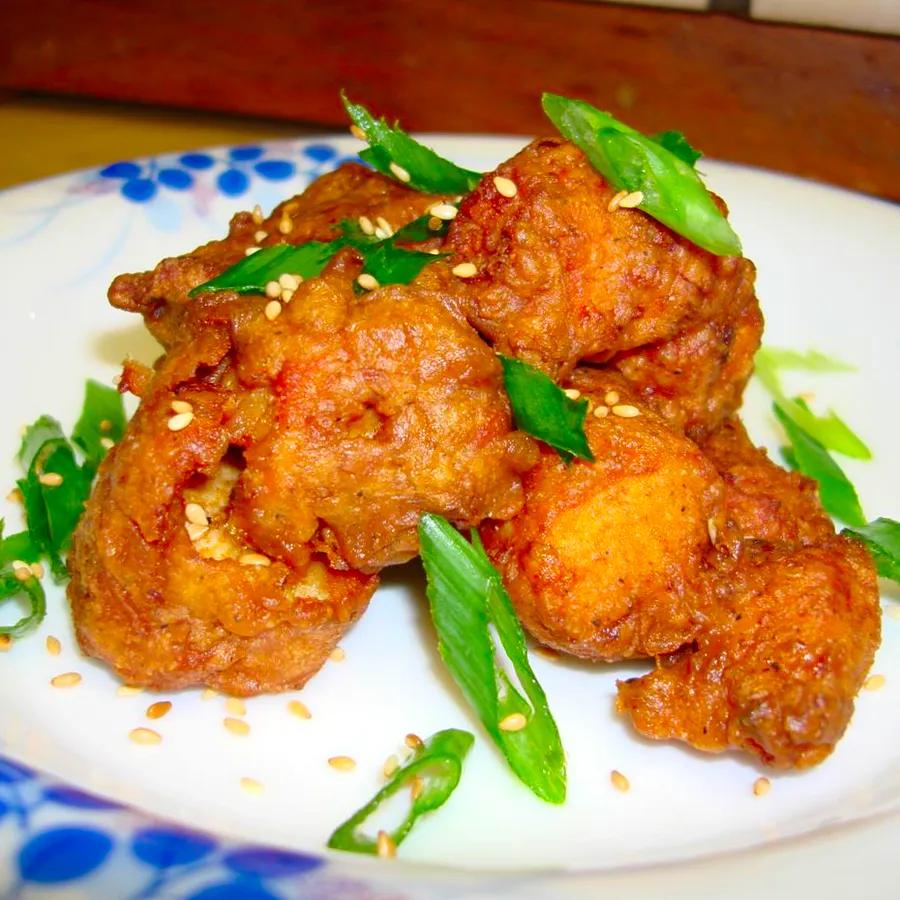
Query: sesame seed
(287, 295)
(711, 530)
(5, 642)
(385, 845)
(381, 234)
(181, 406)
(159, 709)
(128, 690)
(15, 496)
(208, 694)
(273, 310)
(619, 781)
(365, 223)
(252, 786)
(51, 479)
(37, 570)
(251, 250)
(107, 443)
(180, 421)
(413, 741)
(288, 282)
(195, 513)
(257, 214)
(195, 531)
(272, 290)
(254, 559)
(762, 786)
(367, 282)
(505, 186)
(357, 132)
(384, 225)
(416, 786)
(236, 726)
(512, 722)
(434, 251)
(445, 211)
(286, 225)
(391, 764)
(337, 655)
(399, 172)
(572, 393)
(624, 411)
(236, 706)
(105, 425)
(299, 709)
(145, 736)
(66, 680)
(342, 763)
(611, 398)
(630, 201)
(21, 570)
(616, 200)
(53, 645)
(435, 224)
(875, 682)
(465, 270)
(259, 236)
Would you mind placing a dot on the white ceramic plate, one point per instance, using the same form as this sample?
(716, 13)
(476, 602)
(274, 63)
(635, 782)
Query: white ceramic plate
(828, 269)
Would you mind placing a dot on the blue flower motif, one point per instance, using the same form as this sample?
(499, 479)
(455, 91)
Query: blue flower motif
(275, 169)
(266, 863)
(245, 154)
(63, 854)
(198, 161)
(320, 153)
(163, 848)
(177, 179)
(232, 182)
(124, 170)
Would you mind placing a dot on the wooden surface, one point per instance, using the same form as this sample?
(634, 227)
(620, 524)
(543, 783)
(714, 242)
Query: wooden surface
(818, 103)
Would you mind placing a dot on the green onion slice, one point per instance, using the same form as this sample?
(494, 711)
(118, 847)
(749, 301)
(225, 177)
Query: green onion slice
(388, 144)
(810, 457)
(102, 419)
(543, 410)
(829, 430)
(675, 142)
(882, 537)
(630, 161)
(467, 597)
(435, 770)
(30, 589)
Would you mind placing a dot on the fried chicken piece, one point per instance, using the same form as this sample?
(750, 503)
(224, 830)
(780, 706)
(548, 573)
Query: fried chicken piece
(776, 671)
(791, 636)
(561, 278)
(605, 561)
(387, 407)
(348, 192)
(169, 609)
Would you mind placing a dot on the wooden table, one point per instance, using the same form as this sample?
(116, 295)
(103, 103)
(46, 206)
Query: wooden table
(815, 102)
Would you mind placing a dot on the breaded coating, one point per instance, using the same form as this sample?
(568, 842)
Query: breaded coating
(791, 636)
(561, 278)
(387, 407)
(349, 192)
(168, 609)
(776, 671)
(605, 561)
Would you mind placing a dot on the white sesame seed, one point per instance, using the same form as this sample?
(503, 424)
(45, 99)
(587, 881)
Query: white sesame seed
(601, 412)
(15, 496)
(272, 289)
(235, 706)
(399, 172)
(288, 282)
(365, 224)
(761, 787)
(465, 270)
(616, 200)
(195, 513)
(251, 250)
(630, 201)
(286, 225)
(435, 224)
(299, 708)
(287, 295)
(37, 570)
(273, 310)
(236, 726)
(107, 443)
(259, 236)
(512, 722)
(195, 531)
(257, 214)
(208, 694)
(5, 642)
(145, 736)
(128, 690)
(381, 234)
(66, 680)
(711, 530)
(445, 211)
(367, 282)
(625, 411)
(619, 781)
(505, 186)
(384, 225)
(342, 763)
(385, 845)
(252, 786)
(413, 741)
(50, 479)
(254, 559)
(875, 683)
(180, 421)
(181, 406)
(572, 393)
(391, 764)
(54, 648)
(159, 709)
(337, 655)
(357, 132)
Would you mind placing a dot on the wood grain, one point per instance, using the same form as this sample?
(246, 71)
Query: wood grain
(819, 103)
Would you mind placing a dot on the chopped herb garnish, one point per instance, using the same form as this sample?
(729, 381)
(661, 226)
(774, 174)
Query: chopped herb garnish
(30, 590)
(675, 142)
(543, 410)
(102, 421)
(425, 170)
(829, 430)
(882, 537)
(431, 777)
(810, 457)
(672, 191)
(467, 597)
